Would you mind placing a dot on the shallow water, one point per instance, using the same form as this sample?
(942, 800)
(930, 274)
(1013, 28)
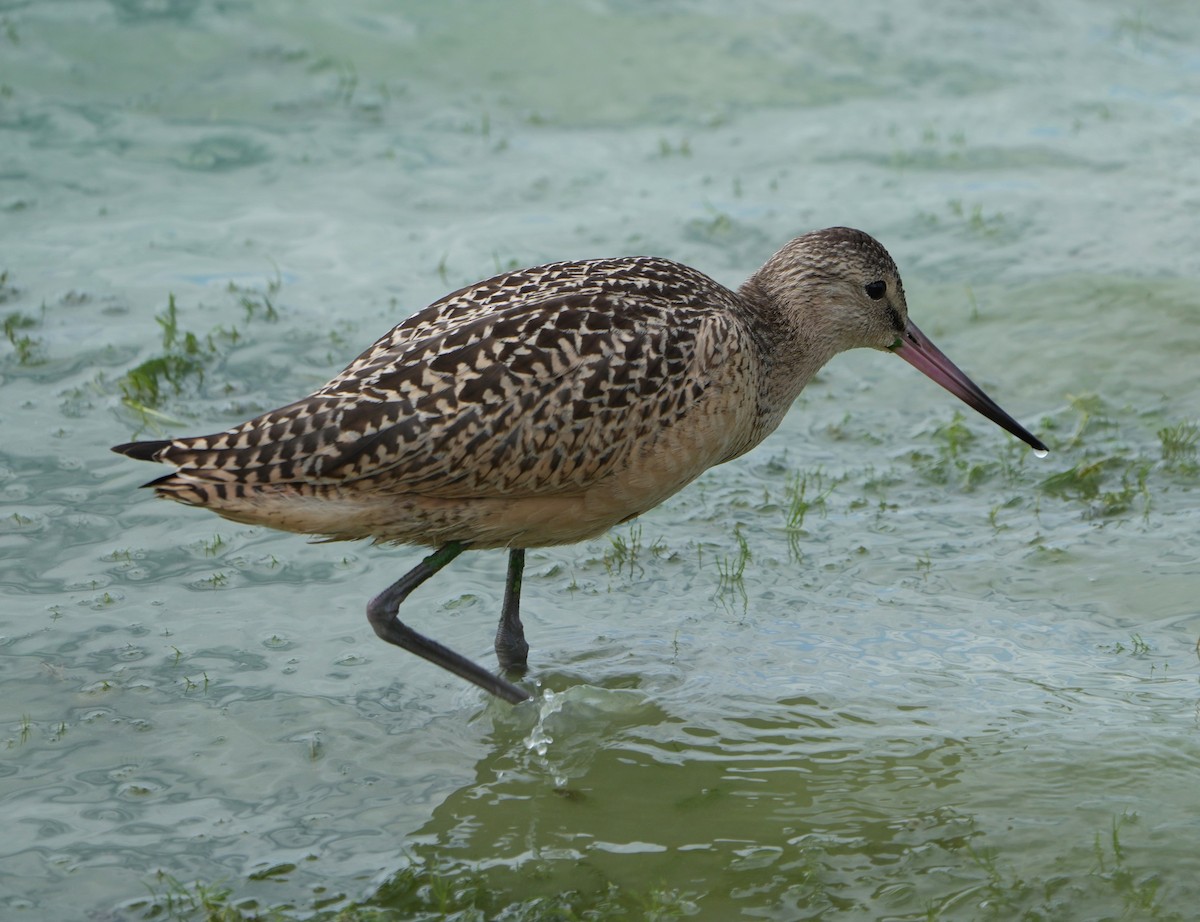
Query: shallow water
(944, 680)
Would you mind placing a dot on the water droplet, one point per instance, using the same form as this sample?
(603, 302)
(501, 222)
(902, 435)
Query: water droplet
(1040, 452)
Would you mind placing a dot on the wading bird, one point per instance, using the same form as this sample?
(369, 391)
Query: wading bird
(546, 405)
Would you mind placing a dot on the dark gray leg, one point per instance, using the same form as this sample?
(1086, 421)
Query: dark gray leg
(511, 649)
(382, 610)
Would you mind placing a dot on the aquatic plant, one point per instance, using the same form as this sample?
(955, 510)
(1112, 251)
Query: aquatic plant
(28, 348)
(731, 570)
(418, 893)
(1179, 441)
(187, 355)
(800, 502)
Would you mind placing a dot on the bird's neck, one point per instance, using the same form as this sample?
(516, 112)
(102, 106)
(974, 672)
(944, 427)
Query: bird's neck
(791, 342)
(790, 351)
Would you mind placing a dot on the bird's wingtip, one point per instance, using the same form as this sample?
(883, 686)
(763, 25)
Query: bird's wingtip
(142, 451)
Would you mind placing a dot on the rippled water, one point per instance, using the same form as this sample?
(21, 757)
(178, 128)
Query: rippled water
(888, 666)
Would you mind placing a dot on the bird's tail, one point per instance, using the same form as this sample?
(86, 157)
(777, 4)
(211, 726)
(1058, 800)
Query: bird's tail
(195, 483)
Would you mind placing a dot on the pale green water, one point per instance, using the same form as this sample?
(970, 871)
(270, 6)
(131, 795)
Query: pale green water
(964, 686)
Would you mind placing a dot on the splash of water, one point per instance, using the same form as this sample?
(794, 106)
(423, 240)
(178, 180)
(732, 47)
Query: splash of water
(539, 739)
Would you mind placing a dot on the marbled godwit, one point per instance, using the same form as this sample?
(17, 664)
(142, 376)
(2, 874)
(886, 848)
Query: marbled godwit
(545, 405)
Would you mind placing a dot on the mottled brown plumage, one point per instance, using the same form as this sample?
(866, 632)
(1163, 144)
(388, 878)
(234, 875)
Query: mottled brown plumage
(545, 405)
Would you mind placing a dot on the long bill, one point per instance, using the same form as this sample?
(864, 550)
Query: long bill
(913, 346)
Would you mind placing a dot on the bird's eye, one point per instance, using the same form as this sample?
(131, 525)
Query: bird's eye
(875, 290)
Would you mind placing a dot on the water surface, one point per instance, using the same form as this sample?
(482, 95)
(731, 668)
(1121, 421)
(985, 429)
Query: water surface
(887, 666)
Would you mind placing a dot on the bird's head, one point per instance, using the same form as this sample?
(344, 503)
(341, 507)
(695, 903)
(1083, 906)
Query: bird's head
(839, 289)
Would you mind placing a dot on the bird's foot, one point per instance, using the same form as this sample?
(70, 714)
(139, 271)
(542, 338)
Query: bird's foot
(512, 652)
